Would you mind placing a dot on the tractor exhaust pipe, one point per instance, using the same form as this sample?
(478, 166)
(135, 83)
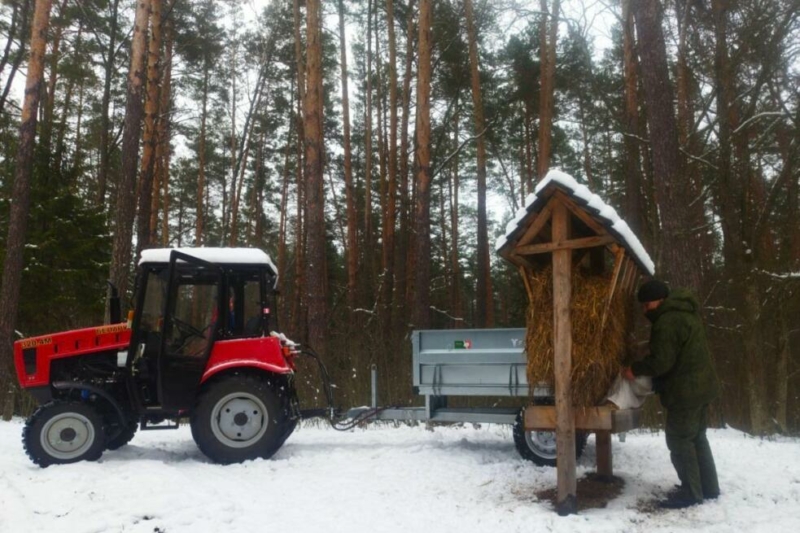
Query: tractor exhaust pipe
(114, 307)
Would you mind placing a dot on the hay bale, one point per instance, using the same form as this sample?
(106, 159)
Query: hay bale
(597, 350)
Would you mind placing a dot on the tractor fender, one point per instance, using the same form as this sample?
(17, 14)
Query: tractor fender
(263, 353)
(242, 365)
(78, 385)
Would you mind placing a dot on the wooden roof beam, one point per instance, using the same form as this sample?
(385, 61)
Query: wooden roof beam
(580, 213)
(570, 244)
(541, 220)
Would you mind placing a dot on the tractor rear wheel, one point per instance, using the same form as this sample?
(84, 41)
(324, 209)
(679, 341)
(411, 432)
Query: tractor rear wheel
(540, 446)
(63, 432)
(239, 418)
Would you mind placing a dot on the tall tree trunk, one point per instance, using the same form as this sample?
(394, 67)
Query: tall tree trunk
(391, 197)
(240, 162)
(528, 118)
(633, 173)
(686, 138)
(24, 31)
(484, 312)
(199, 228)
(228, 221)
(109, 59)
(421, 316)
(46, 126)
(20, 204)
(298, 305)
(126, 188)
(283, 311)
(151, 114)
(547, 86)
(315, 225)
(402, 254)
(12, 31)
(78, 157)
(59, 148)
(681, 264)
(455, 267)
(739, 248)
(368, 237)
(163, 147)
(352, 222)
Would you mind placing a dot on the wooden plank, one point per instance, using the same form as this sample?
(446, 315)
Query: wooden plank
(620, 253)
(601, 418)
(526, 282)
(633, 275)
(566, 501)
(604, 458)
(537, 225)
(572, 244)
(543, 418)
(519, 260)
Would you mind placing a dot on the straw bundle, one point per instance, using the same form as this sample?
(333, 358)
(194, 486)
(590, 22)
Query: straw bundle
(597, 349)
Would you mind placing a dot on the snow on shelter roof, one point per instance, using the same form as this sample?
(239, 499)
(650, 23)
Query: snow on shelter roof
(591, 203)
(225, 256)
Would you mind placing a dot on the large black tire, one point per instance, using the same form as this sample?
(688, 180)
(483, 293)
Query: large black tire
(540, 446)
(287, 428)
(61, 432)
(122, 437)
(238, 418)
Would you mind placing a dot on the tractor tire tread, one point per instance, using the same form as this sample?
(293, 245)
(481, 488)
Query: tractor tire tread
(31, 439)
(274, 400)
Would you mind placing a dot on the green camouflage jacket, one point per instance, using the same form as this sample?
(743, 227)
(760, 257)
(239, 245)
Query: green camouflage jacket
(679, 360)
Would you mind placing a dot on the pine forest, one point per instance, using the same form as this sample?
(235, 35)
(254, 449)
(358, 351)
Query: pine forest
(377, 149)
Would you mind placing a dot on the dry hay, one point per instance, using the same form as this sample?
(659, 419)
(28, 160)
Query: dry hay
(597, 350)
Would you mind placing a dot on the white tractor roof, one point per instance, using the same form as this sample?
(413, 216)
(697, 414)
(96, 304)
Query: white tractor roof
(225, 256)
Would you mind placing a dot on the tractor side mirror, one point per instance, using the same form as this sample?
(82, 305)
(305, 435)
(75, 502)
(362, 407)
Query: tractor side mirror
(114, 308)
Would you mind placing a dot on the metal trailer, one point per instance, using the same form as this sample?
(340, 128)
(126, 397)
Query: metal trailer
(487, 363)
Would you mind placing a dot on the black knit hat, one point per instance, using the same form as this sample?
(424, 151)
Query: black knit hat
(652, 290)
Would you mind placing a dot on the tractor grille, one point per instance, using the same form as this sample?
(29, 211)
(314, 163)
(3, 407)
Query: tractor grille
(29, 359)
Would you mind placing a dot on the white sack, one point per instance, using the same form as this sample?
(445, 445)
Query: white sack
(630, 394)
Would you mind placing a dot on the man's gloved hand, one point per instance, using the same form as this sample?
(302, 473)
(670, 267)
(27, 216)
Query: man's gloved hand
(627, 373)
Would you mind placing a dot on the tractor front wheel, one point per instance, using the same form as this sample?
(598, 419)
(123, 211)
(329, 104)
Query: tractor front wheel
(63, 432)
(238, 418)
(123, 435)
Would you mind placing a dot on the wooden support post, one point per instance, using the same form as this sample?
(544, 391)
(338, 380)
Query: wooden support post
(604, 458)
(566, 502)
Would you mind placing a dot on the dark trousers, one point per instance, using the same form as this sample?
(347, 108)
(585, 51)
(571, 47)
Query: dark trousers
(690, 453)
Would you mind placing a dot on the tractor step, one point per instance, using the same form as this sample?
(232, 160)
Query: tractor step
(144, 426)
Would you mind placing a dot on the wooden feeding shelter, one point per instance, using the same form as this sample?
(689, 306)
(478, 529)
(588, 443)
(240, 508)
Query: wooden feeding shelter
(580, 263)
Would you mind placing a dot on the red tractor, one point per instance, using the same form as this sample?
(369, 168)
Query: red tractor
(197, 346)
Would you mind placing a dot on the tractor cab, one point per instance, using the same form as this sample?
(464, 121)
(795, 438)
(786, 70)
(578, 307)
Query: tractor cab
(187, 301)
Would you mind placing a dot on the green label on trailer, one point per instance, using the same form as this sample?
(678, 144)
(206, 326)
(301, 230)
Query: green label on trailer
(462, 345)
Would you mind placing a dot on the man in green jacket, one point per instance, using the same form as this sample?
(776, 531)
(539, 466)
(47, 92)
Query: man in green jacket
(684, 377)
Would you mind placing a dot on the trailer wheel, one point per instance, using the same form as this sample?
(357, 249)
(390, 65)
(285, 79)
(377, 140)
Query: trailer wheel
(238, 418)
(63, 432)
(540, 446)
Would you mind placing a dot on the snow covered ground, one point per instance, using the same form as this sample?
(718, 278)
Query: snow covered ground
(384, 479)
